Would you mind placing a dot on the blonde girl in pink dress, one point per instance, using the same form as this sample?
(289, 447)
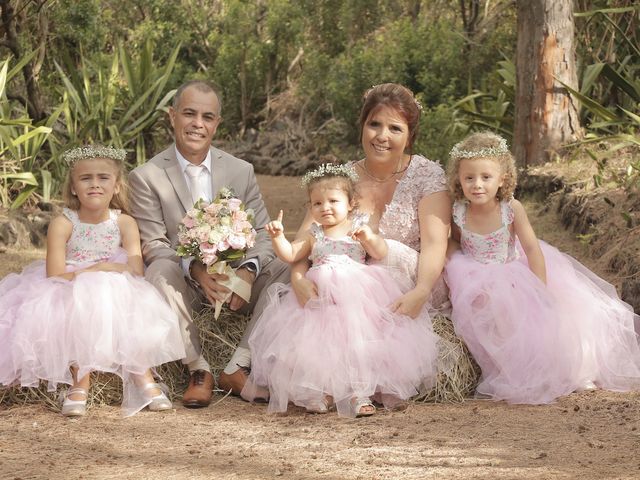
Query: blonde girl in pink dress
(346, 345)
(539, 324)
(88, 308)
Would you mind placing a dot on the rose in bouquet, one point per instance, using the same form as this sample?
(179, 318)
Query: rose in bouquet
(216, 233)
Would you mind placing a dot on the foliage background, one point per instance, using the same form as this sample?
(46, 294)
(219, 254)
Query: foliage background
(90, 70)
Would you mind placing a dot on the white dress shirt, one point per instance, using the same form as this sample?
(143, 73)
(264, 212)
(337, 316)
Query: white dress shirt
(206, 186)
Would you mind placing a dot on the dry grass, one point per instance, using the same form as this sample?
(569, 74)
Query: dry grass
(463, 372)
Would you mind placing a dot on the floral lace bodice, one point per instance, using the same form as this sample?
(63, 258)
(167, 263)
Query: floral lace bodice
(400, 219)
(327, 250)
(92, 242)
(494, 247)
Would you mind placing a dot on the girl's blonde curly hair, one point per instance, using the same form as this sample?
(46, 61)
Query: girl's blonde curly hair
(487, 145)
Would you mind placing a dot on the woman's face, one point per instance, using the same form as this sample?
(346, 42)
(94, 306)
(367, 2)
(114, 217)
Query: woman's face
(385, 135)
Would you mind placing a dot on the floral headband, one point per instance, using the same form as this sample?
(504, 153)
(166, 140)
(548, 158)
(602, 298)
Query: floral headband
(501, 149)
(93, 151)
(330, 170)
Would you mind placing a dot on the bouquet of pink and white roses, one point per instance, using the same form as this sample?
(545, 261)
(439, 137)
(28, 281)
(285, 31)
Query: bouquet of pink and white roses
(216, 233)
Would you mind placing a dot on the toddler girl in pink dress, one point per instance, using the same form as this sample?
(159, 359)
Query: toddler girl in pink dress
(345, 347)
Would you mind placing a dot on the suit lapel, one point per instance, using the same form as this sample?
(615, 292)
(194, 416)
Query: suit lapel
(176, 177)
(219, 177)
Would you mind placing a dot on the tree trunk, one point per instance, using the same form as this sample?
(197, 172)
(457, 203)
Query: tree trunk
(546, 114)
(33, 102)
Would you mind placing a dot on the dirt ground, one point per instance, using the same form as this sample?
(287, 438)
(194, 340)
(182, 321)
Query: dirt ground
(589, 435)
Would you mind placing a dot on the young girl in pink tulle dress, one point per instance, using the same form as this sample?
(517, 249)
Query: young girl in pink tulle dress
(539, 324)
(345, 347)
(88, 307)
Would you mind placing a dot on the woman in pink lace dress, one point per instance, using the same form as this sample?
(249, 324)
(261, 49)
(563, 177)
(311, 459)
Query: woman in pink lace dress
(405, 196)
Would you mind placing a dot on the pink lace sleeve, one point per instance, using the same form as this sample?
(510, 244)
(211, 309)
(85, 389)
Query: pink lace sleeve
(428, 176)
(400, 220)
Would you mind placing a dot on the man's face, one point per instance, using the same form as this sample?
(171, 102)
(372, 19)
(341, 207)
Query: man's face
(195, 120)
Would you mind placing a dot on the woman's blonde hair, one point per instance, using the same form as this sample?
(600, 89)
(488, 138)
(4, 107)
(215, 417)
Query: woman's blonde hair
(487, 145)
(120, 199)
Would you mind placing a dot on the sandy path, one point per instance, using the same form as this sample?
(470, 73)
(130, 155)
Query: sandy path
(594, 435)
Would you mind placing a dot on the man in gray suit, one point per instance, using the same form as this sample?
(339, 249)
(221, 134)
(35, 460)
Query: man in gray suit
(162, 190)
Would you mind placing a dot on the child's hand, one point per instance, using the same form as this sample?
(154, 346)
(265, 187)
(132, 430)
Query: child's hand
(275, 227)
(363, 234)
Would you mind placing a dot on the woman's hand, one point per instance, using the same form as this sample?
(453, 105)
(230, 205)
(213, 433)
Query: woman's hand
(410, 303)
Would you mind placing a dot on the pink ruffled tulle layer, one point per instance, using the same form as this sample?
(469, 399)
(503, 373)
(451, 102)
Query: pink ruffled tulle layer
(100, 321)
(346, 344)
(535, 343)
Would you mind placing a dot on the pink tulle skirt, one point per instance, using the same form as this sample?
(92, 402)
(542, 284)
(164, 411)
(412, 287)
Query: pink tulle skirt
(100, 321)
(401, 262)
(535, 343)
(346, 344)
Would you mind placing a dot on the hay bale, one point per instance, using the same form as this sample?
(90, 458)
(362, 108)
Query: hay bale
(463, 372)
(106, 389)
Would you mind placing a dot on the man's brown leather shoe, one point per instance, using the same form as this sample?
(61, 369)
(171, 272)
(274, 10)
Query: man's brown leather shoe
(198, 393)
(234, 381)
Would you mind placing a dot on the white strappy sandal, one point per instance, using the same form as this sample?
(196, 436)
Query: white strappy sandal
(159, 403)
(74, 408)
(322, 406)
(359, 403)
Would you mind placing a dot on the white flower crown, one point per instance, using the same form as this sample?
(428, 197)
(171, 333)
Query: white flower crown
(93, 151)
(330, 170)
(501, 149)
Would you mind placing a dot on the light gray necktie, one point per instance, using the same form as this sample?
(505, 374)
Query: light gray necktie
(194, 172)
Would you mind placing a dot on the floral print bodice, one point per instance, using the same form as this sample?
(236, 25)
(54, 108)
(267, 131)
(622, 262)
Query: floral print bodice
(400, 219)
(92, 242)
(344, 250)
(494, 247)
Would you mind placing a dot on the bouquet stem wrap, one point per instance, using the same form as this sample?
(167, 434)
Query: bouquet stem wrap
(234, 283)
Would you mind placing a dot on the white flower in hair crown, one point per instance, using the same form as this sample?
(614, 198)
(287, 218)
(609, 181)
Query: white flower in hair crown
(93, 151)
(501, 149)
(330, 170)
